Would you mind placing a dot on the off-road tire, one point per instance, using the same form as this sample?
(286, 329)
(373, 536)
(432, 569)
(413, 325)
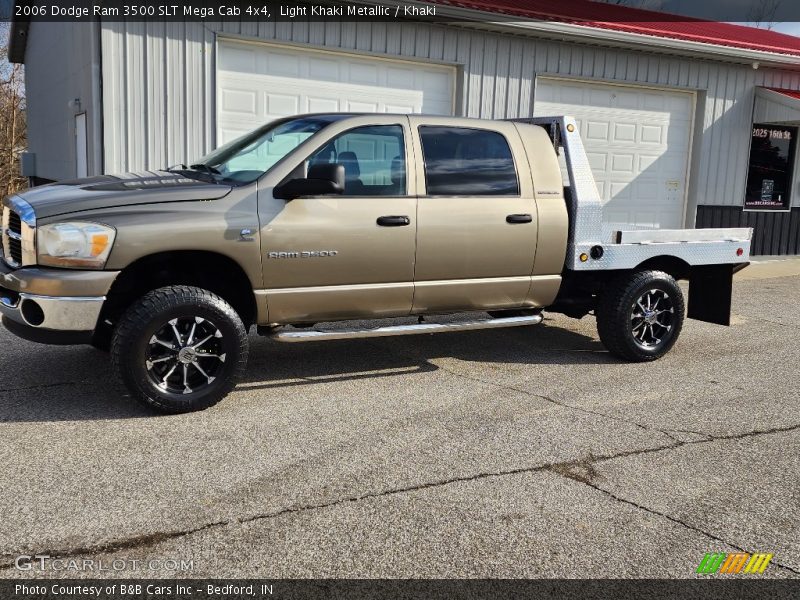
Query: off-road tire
(618, 309)
(133, 342)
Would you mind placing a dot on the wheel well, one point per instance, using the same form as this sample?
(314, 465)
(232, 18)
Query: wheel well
(677, 267)
(208, 270)
(580, 289)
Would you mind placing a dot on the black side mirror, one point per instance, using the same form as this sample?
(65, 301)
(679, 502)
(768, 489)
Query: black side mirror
(322, 180)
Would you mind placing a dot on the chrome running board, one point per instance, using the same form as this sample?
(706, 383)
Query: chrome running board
(343, 334)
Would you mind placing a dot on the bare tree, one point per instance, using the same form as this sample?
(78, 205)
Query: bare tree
(12, 121)
(762, 13)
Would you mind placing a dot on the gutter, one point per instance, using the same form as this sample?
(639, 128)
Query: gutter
(97, 99)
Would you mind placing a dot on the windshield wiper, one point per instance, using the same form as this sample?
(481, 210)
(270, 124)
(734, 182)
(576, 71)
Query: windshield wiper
(206, 168)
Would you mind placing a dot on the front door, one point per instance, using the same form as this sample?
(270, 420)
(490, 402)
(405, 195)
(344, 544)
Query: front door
(477, 229)
(351, 255)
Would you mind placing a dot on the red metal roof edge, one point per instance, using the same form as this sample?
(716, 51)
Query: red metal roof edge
(790, 93)
(624, 19)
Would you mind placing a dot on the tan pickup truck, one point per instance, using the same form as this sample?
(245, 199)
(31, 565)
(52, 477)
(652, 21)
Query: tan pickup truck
(344, 217)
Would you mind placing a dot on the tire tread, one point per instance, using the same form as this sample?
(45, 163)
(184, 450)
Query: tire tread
(141, 313)
(612, 310)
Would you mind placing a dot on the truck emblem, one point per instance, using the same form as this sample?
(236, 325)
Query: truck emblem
(304, 254)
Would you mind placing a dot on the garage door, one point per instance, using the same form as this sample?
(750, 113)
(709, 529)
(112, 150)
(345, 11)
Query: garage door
(258, 82)
(637, 141)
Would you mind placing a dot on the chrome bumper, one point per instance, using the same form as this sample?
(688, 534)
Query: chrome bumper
(55, 313)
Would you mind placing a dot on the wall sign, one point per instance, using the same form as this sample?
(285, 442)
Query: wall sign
(769, 174)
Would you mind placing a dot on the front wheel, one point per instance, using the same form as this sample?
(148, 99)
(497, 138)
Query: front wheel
(180, 349)
(640, 315)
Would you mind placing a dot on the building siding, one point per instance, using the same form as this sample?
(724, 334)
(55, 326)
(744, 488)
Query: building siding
(58, 70)
(159, 88)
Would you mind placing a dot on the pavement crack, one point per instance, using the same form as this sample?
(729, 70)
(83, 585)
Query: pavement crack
(130, 543)
(563, 404)
(582, 470)
(394, 491)
(568, 470)
(707, 437)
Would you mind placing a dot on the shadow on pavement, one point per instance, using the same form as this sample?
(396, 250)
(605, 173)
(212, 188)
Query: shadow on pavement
(49, 383)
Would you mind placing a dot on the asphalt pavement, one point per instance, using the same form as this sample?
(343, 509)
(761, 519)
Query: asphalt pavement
(527, 452)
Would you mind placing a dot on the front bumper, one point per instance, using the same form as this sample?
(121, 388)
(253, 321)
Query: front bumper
(55, 306)
(60, 313)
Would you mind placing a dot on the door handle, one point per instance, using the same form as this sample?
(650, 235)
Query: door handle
(393, 221)
(519, 218)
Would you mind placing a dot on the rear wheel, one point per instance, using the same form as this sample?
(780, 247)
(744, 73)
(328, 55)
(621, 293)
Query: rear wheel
(180, 349)
(640, 315)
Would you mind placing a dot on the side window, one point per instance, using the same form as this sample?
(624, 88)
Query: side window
(467, 162)
(373, 157)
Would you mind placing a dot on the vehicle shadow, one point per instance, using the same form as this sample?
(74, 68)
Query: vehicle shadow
(48, 383)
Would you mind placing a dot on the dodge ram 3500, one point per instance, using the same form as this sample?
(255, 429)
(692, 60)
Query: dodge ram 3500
(342, 217)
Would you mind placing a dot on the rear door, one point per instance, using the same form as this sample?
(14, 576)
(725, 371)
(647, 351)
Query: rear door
(476, 216)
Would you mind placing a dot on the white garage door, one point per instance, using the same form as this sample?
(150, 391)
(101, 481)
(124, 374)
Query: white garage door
(258, 82)
(637, 141)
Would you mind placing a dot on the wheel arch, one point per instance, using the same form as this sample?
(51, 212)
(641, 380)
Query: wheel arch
(209, 270)
(672, 265)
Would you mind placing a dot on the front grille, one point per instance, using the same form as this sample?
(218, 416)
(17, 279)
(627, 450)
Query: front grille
(18, 233)
(14, 243)
(14, 222)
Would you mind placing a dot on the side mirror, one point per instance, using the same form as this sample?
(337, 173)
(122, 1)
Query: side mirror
(321, 180)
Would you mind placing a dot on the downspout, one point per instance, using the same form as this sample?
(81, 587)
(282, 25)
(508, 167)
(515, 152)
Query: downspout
(97, 100)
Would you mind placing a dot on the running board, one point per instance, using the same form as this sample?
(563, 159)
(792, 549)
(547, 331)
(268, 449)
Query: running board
(343, 334)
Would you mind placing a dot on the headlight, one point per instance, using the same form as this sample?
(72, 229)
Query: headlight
(85, 245)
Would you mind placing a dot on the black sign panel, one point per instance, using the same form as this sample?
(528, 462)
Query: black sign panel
(769, 175)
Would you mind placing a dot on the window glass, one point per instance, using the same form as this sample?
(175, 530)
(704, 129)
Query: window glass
(467, 162)
(373, 158)
(246, 158)
(769, 176)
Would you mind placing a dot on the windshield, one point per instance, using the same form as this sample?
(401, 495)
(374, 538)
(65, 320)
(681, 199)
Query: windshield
(247, 158)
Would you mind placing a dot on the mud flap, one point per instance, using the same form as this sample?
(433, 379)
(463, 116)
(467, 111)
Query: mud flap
(710, 289)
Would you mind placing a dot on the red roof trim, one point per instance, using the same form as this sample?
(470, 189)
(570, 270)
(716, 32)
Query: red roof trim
(637, 21)
(790, 93)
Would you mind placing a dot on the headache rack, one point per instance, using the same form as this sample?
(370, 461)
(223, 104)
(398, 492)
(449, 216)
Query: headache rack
(594, 246)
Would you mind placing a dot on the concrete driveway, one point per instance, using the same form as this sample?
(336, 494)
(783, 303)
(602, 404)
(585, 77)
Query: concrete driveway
(527, 452)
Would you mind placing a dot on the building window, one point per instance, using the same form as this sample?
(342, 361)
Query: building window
(769, 176)
(467, 162)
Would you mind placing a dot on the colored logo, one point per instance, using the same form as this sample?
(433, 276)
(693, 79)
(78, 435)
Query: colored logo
(734, 562)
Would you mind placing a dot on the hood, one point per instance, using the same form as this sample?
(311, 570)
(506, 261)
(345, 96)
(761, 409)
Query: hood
(127, 189)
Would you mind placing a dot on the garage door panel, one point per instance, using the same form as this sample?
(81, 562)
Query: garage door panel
(316, 104)
(652, 134)
(637, 143)
(293, 81)
(239, 101)
(282, 103)
(597, 130)
(624, 132)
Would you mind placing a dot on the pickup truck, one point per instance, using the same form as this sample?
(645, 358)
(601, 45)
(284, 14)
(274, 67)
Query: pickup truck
(324, 218)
